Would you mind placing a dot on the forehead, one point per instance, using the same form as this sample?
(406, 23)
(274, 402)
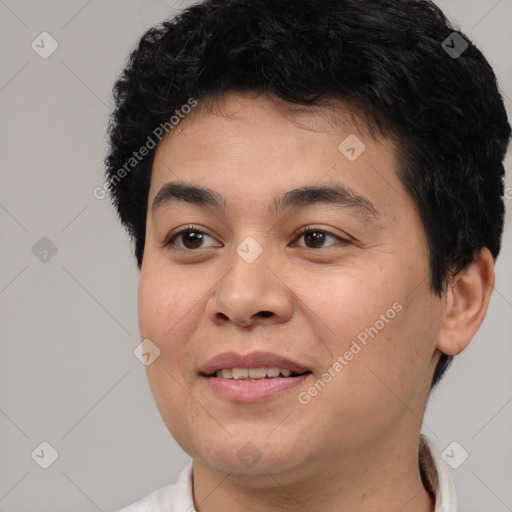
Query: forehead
(264, 107)
(258, 145)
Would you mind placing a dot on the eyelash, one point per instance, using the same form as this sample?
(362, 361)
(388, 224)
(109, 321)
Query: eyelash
(191, 228)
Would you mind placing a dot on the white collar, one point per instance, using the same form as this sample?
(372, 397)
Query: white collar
(438, 474)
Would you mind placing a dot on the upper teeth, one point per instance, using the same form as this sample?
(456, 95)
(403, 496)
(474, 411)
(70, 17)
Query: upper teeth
(253, 373)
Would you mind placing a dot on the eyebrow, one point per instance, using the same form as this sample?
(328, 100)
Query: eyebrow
(336, 195)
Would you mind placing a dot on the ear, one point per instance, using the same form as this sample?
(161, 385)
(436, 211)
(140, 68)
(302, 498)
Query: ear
(467, 299)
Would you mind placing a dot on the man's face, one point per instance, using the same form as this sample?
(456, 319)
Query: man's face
(349, 299)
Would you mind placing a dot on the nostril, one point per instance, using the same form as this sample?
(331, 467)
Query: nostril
(265, 314)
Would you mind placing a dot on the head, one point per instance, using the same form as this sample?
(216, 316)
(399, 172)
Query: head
(337, 100)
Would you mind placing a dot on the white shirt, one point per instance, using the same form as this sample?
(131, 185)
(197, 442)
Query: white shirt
(178, 497)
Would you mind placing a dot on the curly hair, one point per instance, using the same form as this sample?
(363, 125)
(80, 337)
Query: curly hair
(388, 59)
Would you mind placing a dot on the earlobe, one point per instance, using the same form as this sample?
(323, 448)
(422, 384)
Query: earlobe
(467, 300)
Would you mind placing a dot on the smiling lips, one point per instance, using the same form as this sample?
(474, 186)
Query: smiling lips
(253, 373)
(254, 365)
(252, 377)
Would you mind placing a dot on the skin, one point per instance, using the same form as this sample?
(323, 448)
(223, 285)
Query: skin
(354, 445)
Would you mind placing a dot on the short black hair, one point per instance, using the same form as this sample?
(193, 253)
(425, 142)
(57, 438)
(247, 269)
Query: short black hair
(400, 63)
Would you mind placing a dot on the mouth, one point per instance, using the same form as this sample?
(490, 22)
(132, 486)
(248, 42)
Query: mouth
(252, 374)
(252, 377)
(255, 365)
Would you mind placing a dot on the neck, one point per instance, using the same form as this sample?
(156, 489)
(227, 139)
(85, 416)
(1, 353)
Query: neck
(379, 477)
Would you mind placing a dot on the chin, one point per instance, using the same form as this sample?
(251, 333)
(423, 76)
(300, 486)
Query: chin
(246, 455)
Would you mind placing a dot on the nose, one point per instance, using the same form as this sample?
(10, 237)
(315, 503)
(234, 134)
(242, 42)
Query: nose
(250, 293)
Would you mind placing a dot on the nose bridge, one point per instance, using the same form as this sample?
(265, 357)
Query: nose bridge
(250, 290)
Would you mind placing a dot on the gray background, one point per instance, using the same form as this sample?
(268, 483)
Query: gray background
(69, 324)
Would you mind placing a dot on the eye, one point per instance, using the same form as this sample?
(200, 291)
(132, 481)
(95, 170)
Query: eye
(191, 237)
(316, 237)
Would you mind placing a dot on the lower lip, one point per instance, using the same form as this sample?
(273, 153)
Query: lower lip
(252, 391)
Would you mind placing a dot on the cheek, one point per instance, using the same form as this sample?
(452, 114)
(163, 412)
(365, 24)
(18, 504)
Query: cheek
(165, 300)
(386, 339)
(179, 411)
(350, 301)
(395, 367)
(155, 301)
(161, 311)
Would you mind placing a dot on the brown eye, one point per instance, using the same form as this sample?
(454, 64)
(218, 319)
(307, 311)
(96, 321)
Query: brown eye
(189, 238)
(315, 238)
(192, 239)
